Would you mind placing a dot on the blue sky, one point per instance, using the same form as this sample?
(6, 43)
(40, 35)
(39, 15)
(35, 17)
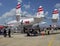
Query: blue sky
(29, 7)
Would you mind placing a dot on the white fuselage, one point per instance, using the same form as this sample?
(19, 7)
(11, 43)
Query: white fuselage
(25, 21)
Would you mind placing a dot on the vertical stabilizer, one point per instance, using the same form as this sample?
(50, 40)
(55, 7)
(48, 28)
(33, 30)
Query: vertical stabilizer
(18, 11)
(40, 12)
(55, 14)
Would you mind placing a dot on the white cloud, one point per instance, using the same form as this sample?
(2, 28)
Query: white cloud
(57, 6)
(7, 16)
(0, 4)
(46, 13)
(10, 13)
(28, 15)
(20, 1)
(25, 12)
(26, 6)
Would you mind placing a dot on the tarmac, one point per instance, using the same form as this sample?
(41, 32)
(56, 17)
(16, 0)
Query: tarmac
(23, 40)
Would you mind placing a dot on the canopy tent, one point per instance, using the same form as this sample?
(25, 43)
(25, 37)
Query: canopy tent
(1, 26)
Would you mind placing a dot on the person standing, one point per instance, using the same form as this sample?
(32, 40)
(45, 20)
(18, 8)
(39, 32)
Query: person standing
(9, 32)
(0, 31)
(5, 33)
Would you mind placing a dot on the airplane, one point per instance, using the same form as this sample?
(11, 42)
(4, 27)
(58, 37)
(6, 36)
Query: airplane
(31, 20)
(26, 21)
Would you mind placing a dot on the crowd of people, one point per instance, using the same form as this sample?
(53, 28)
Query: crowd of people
(6, 31)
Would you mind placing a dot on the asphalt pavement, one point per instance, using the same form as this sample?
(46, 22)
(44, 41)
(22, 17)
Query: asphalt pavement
(22, 40)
